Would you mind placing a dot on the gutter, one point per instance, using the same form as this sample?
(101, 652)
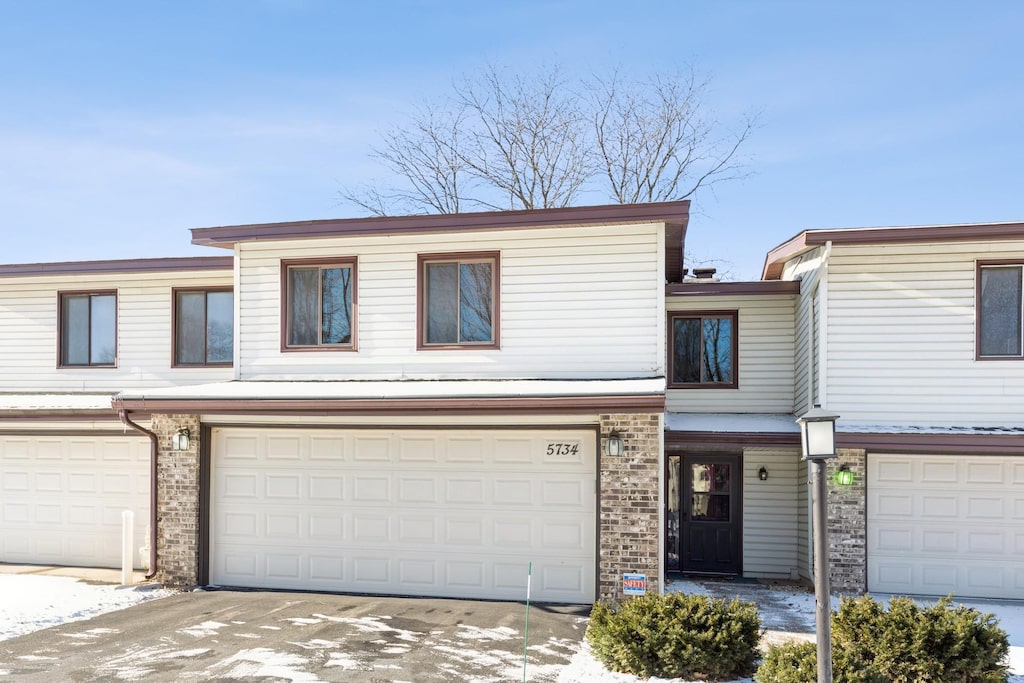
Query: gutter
(153, 489)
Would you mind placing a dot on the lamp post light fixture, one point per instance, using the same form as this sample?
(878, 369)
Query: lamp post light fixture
(818, 438)
(181, 440)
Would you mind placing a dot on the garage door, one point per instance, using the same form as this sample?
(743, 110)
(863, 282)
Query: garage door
(61, 498)
(406, 512)
(946, 524)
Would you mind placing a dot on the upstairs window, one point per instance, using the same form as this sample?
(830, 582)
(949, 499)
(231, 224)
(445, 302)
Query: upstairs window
(88, 329)
(703, 350)
(999, 311)
(319, 308)
(203, 327)
(458, 300)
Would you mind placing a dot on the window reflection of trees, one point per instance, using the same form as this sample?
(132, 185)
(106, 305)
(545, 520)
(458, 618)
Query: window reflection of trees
(702, 350)
(459, 302)
(319, 305)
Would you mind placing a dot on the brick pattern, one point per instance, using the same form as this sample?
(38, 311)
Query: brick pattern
(178, 502)
(629, 523)
(847, 525)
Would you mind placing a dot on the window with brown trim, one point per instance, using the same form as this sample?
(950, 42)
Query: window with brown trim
(999, 310)
(319, 304)
(458, 300)
(88, 329)
(203, 327)
(702, 350)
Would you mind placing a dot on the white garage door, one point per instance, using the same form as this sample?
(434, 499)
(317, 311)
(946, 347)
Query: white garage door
(946, 524)
(406, 512)
(61, 498)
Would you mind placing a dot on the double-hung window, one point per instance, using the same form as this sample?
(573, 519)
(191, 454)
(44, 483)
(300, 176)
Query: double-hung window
(319, 304)
(999, 310)
(88, 329)
(203, 327)
(458, 300)
(702, 350)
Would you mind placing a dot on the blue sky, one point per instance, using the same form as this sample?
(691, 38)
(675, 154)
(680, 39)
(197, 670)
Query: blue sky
(123, 124)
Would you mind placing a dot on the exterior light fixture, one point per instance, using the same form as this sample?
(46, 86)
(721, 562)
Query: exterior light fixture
(818, 433)
(613, 445)
(818, 438)
(181, 440)
(762, 474)
(844, 477)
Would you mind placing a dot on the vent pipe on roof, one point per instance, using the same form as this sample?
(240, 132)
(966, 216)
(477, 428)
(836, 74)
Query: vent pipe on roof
(704, 273)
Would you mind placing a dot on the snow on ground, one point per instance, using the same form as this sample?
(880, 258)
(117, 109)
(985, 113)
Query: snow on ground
(31, 603)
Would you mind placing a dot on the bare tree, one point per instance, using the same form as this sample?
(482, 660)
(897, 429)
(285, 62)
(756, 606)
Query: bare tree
(428, 153)
(654, 141)
(530, 140)
(508, 141)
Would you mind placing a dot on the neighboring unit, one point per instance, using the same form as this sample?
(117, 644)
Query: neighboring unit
(72, 335)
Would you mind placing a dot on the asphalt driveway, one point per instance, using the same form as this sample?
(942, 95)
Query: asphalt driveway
(273, 636)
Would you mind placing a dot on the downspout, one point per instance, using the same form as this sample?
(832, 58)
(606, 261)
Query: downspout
(153, 450)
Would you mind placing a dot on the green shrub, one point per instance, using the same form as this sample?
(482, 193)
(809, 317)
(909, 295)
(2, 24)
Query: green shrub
(902, 644)
(676, 635)
(907, 643)
(789, 663)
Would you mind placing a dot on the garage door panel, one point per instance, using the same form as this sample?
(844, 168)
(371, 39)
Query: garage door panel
(416, 512)
(930, 535)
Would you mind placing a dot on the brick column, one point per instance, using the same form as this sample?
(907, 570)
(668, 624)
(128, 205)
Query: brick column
(847, 525)
(178, 502)
(629, 523)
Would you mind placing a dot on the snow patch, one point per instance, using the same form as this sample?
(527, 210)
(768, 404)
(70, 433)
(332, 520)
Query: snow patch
(203, 630)
(31, 603)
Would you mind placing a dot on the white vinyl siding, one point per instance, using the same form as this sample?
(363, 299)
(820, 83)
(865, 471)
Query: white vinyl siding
(803, 506)
(901, 337)
(771, 512)
(808, 270)
(29, 320)
(946, 524)
(575, 302)
(765, 357)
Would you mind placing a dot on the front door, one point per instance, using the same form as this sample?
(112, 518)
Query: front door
(703, 530)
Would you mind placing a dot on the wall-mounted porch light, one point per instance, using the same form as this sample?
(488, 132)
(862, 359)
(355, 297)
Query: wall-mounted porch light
(762, 474)
(613, 445)
(181, 440)
(844, 477)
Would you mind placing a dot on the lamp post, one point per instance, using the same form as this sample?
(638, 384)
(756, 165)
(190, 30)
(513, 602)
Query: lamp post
(818, 438)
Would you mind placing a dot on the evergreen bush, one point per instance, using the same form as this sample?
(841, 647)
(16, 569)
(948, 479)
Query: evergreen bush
(676, 635)
(789, 663)
(902, 644)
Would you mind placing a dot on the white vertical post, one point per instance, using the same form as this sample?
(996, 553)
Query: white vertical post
(127, 547)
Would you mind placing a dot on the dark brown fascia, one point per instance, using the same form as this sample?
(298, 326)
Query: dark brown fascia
(757, 288)
(150, 265)
(804, 241)
(910, 444)
(69, 414)
(729, 440)
(669, 212)
(934, 444)
(645, 403)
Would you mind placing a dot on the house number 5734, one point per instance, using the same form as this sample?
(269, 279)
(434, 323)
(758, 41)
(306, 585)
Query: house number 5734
(563, 448)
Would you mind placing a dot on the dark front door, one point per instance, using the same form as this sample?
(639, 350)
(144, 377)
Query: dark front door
(703, 534)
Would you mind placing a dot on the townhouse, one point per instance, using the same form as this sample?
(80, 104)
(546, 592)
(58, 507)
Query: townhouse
(444, 405)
